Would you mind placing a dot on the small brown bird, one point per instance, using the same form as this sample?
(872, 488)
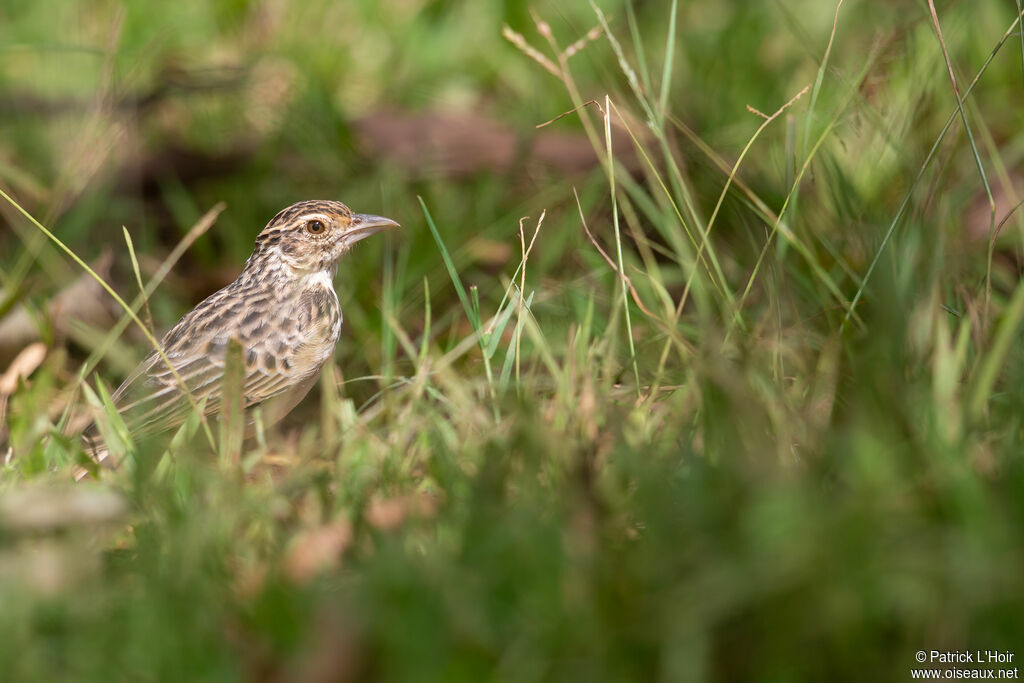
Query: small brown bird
(282, 310)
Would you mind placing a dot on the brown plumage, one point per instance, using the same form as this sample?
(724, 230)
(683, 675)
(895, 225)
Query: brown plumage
(283, 311)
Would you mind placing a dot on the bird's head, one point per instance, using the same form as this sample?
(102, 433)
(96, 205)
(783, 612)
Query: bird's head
(311, 236)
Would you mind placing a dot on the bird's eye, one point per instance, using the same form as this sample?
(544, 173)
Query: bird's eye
(315, 227)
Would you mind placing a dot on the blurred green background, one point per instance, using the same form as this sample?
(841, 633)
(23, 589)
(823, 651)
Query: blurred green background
(785, 444)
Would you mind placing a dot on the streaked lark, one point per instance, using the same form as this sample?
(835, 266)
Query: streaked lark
(283, 311)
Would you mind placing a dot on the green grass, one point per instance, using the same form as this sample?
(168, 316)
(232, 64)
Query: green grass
(742, 402)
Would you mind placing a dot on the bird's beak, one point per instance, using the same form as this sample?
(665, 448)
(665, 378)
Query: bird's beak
(364, 225)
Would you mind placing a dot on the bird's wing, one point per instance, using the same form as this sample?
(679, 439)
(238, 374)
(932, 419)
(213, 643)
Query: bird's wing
(152, 400)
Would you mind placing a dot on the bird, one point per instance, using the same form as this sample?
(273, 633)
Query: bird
(282, 310)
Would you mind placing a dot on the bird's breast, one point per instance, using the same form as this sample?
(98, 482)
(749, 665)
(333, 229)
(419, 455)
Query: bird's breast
(309, 329)
(320, 314)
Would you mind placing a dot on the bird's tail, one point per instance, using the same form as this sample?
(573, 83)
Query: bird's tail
(96, 448)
